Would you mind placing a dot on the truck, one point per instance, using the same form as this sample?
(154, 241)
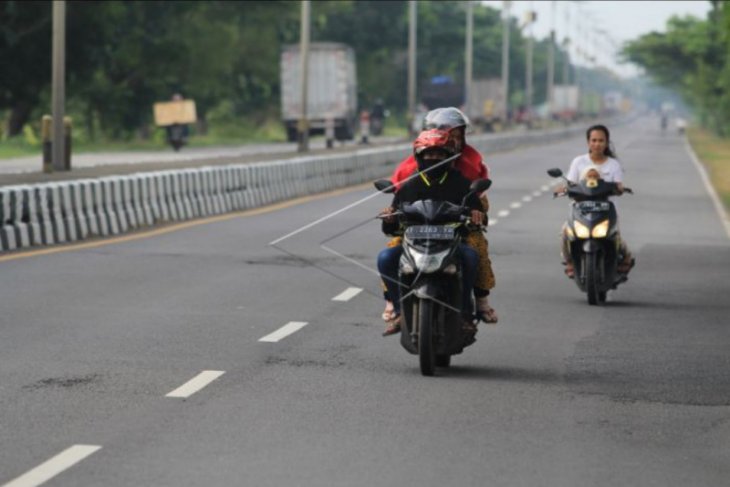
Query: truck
(331, 89)
(565, 102)
(485, 103)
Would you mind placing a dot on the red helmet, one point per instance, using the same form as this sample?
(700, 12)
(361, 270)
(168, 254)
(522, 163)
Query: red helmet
(432, 140)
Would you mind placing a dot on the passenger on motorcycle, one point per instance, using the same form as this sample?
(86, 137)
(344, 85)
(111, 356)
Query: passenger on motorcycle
(472, 166)
(435, 182)
(601, 157)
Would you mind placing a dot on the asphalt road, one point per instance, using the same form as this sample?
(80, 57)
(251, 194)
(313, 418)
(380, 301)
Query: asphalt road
(93, 341)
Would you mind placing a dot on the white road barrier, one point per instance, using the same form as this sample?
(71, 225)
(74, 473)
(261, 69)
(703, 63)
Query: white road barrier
(49, 213)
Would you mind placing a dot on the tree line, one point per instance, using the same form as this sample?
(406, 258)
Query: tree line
(122, 56)
(693, 58)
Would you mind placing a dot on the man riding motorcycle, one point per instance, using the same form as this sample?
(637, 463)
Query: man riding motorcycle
(435, 181)
(471, 165)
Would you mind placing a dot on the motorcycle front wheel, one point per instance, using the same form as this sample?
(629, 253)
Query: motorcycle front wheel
(426, 352)
(591, 269)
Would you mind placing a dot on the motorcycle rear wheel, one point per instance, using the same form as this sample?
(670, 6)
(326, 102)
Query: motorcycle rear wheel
(443, 360)
(426, 352)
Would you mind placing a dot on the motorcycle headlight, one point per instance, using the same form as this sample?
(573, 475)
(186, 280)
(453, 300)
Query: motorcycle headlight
(600, 230)
(581, 231)
(428, 263)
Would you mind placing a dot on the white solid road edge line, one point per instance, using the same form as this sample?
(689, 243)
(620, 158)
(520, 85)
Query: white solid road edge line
(347, 294)
(708, 186)
(284, 331)
(53, 466)
(196, 383)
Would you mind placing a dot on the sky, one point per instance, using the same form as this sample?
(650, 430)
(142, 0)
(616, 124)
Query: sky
(604, 25)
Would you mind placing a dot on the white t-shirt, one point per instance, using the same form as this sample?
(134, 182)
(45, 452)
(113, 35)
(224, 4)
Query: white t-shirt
(611, 170)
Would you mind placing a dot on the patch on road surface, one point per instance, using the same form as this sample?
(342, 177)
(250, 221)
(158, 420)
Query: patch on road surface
(65, 382)
(665, 335)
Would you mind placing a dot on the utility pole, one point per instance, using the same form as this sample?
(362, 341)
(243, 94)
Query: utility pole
(58, 82)
(505, 58)
(551, 59)
(411, 64)
(469, 55)
(566, 46)
(303, 126)
(530, 18)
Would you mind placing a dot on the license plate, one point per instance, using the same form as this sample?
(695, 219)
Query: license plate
(433, 232)
(593, 206)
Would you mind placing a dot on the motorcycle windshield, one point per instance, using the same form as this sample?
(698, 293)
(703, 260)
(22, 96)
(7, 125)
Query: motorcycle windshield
(586, 191)
(429, 211)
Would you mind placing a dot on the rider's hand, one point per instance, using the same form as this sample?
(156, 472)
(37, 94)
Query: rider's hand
(387, 214)
(477, 217)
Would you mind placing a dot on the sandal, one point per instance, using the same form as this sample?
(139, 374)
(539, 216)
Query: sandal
(625, 267)
(486, 313)
(393, 326)
(569, 271)
(389, 312)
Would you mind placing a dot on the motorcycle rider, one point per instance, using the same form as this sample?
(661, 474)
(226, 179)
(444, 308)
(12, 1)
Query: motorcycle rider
(436, 182)
(472, 166)
(601, 157)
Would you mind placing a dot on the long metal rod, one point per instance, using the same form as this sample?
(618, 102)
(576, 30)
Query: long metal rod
(528, 71)
(551, 59)
(58, 84)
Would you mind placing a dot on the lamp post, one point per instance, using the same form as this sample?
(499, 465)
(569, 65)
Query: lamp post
(58, 84)
(411, 64)
(468, 55)
(505, 58)
(303, 126)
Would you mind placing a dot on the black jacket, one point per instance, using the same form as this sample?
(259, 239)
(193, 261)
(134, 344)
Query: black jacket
(452, 189)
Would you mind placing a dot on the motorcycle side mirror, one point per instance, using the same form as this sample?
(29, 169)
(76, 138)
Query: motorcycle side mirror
(555, 172)
(480, 185)
(384, 186)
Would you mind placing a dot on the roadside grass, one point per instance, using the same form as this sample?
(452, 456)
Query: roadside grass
(231, 133)
(714, 152)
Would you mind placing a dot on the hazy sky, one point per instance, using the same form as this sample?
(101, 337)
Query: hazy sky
(620, 20)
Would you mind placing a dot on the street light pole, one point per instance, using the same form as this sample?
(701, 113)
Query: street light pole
(469, 55)
(551, 59)
(528, 60)
(58, 84)
(411, 64)
(505, 58)
(303, 126)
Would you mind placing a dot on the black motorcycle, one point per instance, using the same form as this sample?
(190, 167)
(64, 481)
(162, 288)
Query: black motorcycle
(177, 135)
(430, 277)
(592, 231)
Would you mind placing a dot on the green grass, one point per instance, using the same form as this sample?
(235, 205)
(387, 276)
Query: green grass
(225, 133)
(714, 152)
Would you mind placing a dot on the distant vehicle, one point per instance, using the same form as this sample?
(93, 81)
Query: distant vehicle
(442, 91)
(485, 103)
(590, 104)
(613, 102)
(565, 102)
(331, 89)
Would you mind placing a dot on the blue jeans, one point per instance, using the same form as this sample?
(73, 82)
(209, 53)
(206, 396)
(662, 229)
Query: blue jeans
(388, 260)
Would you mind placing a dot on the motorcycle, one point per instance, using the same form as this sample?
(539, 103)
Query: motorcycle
(592, 231)
(177, 135)
(430, 277)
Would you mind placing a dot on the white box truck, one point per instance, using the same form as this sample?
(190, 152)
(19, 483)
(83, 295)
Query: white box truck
(565, 102)
(331, 89)
(485, 103)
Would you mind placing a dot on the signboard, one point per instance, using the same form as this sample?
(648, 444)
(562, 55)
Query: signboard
(172, 112)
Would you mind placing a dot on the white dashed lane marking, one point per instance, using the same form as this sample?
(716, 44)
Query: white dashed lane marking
(545, 187)
(53, 466)
(493, 221)
(537, 193)
(503, 213)
(284, 331)
(515, 205)
(347, 294)
(527, 199)
(196, 383)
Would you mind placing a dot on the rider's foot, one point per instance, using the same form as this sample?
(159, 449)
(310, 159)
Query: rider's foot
(487, 312)
(388, 312)
(569, 270)
(625, 266)
(393, 326)
(469, 329)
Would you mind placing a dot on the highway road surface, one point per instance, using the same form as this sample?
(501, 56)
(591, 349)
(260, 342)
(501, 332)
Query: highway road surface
(200, 355)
